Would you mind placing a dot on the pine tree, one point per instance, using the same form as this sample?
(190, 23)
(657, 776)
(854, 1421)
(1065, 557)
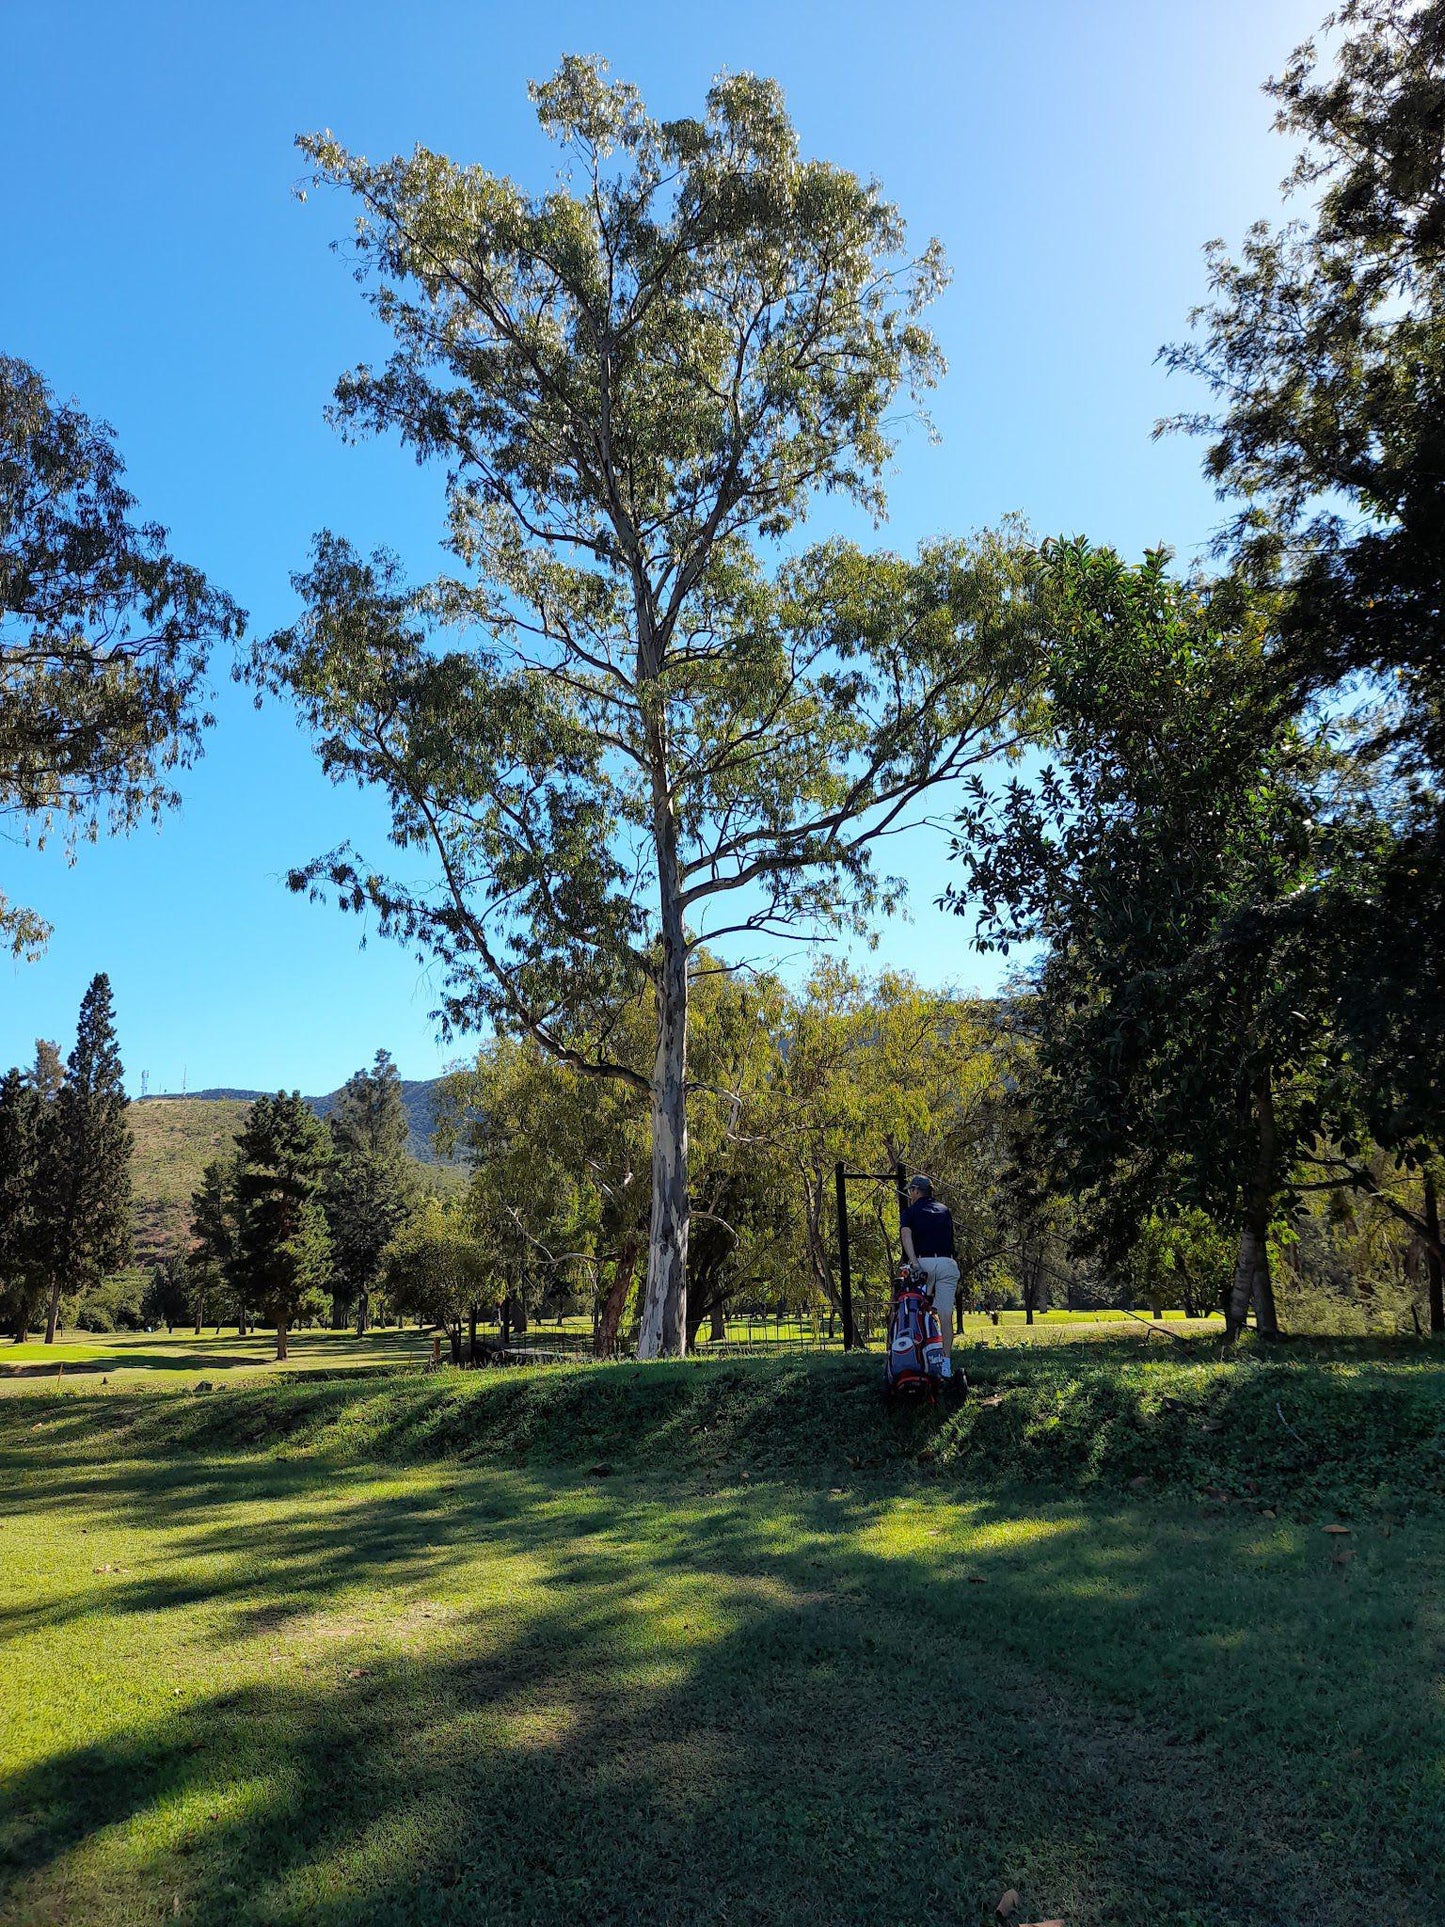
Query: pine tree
(369, 1196)
(84, 1182)
(20, 1284)
(283, 1249)
(47, 1073)
(211, 1261)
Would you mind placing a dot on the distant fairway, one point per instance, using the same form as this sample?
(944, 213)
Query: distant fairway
(180, 1358)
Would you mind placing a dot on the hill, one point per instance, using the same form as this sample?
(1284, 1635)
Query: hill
(177, 1137)
(418, 1094)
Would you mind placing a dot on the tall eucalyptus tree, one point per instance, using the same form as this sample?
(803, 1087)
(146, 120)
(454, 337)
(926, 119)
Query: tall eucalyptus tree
(648, 741)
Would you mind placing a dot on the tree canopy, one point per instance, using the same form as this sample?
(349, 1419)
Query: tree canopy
(104, 635)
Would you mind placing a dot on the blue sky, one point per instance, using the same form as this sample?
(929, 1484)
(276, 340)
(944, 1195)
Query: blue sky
(1072, 157)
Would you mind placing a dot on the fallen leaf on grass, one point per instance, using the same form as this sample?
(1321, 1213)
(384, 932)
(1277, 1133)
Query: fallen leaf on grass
(994, 1398)
(1339, 1530)
(358, 1672)
(1041, 1923)
(1006, 1907)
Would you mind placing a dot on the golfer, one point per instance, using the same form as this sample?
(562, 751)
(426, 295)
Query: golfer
(928, 1246)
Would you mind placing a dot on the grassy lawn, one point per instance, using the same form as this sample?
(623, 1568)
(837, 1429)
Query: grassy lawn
(180, 1359)
(254, 1673)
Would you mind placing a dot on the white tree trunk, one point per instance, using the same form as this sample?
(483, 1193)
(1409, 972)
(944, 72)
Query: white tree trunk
(664, 1311)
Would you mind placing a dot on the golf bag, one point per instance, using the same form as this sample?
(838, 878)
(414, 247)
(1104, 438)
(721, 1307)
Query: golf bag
(913, 1363)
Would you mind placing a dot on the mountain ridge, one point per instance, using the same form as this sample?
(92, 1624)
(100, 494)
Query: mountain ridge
(418, 1095)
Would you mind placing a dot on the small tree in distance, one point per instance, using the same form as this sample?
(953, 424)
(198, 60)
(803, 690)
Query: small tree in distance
(637, 381)
(214, 1251)
(436, 1269)
(283, 1252)
(371, 1184)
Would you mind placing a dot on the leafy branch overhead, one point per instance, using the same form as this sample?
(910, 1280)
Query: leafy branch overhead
(104, 635)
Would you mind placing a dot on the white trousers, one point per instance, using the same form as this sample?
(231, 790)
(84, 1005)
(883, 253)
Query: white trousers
(942, 1276)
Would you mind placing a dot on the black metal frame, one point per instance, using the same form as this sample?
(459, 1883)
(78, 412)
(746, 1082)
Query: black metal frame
(841, 1174)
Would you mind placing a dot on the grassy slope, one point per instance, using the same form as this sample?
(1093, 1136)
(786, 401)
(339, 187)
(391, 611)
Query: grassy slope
(250, 1676)
(175, 1139)
(1335, 1427)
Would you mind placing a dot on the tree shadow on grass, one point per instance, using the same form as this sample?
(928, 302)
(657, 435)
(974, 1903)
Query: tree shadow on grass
(782, 1705)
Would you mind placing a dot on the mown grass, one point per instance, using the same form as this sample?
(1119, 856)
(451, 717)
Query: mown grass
(386, 1651)
(179, 1360)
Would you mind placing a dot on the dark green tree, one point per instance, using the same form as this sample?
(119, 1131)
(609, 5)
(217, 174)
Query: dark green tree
(1171, 863)
(166, 1299)
(104, 635)
(1323, 344)
(638, 381)
(371, 1185)
(84, 1184)
(47, 1073)
(22, 1286)
(211, 1261)
(283, 1250)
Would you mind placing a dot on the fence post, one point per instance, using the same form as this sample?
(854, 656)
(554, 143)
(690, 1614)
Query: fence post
(845, 1275)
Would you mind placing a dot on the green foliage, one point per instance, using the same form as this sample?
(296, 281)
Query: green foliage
(1323, 344)
(282, 1264)
(370, 1188)
(167, 1299)
(113, 1304)
(1184, 1053)
(217, 1279)
(83, 1185)
(22, 1284)
(104, 635)
(436, 1268)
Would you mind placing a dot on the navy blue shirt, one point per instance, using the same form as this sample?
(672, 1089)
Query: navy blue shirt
(932, 1226)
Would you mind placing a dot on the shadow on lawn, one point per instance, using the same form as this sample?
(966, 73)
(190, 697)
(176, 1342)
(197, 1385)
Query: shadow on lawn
(132, 1361)
(851, 1734)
